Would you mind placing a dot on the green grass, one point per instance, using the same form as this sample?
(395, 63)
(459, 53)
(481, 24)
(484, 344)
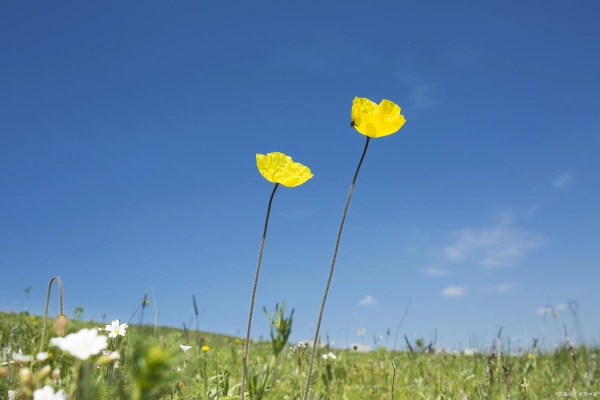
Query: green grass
(153, 366)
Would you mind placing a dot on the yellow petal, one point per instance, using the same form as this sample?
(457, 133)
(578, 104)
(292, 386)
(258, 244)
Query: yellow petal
(376, 120)
(278, 168)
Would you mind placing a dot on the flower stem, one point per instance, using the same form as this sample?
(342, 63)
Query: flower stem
(337, 244)
(60, 310)
(260, 253)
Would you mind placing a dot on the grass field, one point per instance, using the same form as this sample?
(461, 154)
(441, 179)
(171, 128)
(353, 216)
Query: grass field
(153, 365)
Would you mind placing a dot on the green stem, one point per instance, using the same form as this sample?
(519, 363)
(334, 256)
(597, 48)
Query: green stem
(60, 311)
(136, 310)
(260, 253)
(337, 244)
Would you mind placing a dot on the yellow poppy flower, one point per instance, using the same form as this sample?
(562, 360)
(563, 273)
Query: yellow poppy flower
(278, 168)
(376, 120)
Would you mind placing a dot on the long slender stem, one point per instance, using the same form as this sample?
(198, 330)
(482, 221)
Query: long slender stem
(155, 308)
(60, 310)
(260, 253)
(136, 310)
(393, 379)
(337, 244)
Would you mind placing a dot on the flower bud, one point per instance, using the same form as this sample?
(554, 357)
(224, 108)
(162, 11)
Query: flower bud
(108, 358)
(61, 325)
(26, 376)
(55, 374)
(43, 373)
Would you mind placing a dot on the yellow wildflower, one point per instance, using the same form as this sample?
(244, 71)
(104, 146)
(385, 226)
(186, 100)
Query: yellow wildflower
(278, 168)
(531, 356)
(376, 120)
(205, 348)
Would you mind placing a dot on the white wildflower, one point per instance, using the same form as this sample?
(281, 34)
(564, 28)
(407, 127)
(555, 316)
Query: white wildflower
(116, 329)
(82, 344)
(47, 393)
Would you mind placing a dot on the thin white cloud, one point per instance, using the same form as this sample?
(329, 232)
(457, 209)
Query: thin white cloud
(423, 96)
(326, 52)
(574, 291)
(432, 271)
(562, 180)
(422, 93)
(463, 58)
(500, 288)
(549, 309)
(455, 291)
(531, 212)
(367, 301)
(560, 307)
(496, 246)
(301, 58)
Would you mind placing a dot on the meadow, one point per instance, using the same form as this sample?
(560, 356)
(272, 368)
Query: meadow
(116, 360)
(155, 362)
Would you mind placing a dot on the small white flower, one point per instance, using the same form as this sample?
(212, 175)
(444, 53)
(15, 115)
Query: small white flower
(115, 329)
(185, 348)
(329, 355)
(82, 344)
(19, 358)
(42, 356)
(47, 393)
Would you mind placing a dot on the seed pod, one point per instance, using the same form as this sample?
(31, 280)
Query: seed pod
(61, 325)
(55, 374)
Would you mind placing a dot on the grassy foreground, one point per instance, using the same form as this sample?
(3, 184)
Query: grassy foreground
(153, 365)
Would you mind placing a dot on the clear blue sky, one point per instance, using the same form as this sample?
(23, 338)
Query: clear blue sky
(128, 135)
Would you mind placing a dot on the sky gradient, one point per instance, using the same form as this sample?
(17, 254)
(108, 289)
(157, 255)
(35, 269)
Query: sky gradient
(128, 135)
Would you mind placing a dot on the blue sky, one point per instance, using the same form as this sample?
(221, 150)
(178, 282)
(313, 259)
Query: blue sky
(128, 135)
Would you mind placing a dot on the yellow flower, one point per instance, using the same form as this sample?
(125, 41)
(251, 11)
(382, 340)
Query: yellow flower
(531, 356)
(376, 120)
(278, 168)
(205, 348)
